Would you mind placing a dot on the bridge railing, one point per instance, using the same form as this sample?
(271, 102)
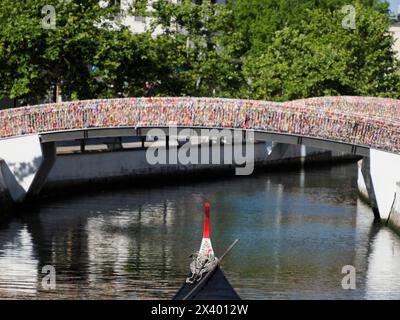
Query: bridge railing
(364, 121)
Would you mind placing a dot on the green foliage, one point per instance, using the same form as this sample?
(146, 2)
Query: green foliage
(32, 58)
(196, 37)
(256, 21)
(322, 58)
(279, 49)
(288, 48)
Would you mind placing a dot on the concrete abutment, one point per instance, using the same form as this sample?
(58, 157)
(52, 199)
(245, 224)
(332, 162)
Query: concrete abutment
(378, 181)
(25, 164)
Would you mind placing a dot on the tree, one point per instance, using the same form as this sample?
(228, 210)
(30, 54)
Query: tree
(193, 42)
(322, 58)
(288, 49)
(256, 21)
(86, 35)
(273, 49)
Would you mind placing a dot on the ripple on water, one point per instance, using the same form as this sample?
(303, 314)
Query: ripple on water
(297, 230)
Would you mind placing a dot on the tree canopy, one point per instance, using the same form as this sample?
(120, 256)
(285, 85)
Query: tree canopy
(87, 54)
(322, 58)
(264, 49)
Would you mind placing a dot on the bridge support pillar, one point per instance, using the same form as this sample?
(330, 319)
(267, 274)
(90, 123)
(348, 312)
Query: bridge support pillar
(366, 187)
(394, 218)
(279, 151)
(381, 173)
(25, 165)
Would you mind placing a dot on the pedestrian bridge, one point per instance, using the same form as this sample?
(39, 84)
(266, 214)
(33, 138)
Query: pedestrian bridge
(360, 123)
(365, 126)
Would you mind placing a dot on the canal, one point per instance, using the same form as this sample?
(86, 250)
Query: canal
(297, 230)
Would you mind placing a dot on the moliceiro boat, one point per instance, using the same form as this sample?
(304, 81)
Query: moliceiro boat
(206, 280)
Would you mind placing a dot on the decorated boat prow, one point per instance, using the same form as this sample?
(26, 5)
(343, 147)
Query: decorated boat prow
(206, 280)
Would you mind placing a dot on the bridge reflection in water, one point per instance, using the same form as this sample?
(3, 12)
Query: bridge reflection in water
(297, 230)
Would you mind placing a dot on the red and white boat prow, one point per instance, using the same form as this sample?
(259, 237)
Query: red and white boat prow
(207, 281)
(206, 248)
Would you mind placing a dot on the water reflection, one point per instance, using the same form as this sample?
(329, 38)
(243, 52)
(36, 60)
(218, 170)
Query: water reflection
(383, 264)
(18, 266)
(297, 230)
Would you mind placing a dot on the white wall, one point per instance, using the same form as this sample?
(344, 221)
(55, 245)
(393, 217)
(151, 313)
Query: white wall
(22, 159)
(91, 167)
(385, 173)
(395, 30)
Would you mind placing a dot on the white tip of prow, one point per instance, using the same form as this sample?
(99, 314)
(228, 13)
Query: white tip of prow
(206, 249)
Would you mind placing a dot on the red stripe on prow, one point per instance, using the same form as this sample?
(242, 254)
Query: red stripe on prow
(206, 232)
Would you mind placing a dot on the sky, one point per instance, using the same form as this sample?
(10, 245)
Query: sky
(394, 4)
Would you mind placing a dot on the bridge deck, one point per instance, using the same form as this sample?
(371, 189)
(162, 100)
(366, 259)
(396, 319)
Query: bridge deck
(351, 124)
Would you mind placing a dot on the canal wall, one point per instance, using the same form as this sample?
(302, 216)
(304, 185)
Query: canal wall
(131, 166)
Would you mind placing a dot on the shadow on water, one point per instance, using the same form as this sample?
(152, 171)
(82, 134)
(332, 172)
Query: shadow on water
(297, 230)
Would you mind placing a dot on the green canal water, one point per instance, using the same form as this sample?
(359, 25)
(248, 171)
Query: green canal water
(297, 230)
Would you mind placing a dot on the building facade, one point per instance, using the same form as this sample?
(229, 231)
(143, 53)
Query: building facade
(395, 31)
